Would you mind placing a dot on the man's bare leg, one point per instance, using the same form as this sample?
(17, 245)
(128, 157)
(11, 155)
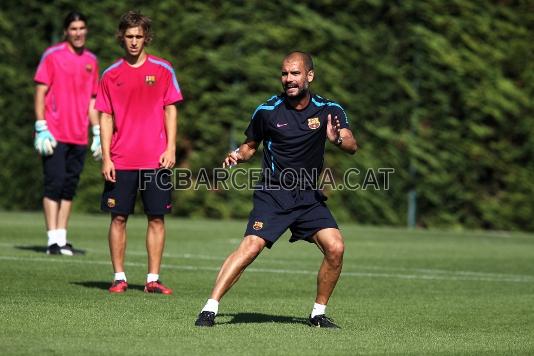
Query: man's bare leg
(50, 210)
(117, 241)
(155, 242)
(330, 242)
(63, 215)
(229, 274)
(235, 264)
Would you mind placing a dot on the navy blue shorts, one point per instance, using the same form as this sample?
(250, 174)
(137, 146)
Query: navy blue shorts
(302, 212)
(62, 171)
(154, 185)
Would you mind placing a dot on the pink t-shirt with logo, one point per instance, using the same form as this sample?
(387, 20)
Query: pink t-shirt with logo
(136, 97)
(72, 80)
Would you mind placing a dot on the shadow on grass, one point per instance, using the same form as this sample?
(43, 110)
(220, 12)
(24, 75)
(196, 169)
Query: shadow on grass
(42, 249)
(245, 318)
(105, 285)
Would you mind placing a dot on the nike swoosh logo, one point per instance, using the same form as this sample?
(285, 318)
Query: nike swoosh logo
(281, 125)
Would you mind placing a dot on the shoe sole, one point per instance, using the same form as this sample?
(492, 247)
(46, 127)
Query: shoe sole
(157, 292)
(322, 327)
(118, 291)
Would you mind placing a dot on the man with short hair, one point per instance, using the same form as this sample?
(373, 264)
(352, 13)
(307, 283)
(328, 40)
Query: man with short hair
(66, 83)
(136, 99)
(293, 127)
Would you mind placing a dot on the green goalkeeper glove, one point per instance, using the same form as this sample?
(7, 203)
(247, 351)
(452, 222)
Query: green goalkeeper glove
(96, 148)
(44, 142)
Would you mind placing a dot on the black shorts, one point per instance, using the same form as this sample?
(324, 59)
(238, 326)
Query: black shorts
(302, 212)
(155, 187)
(62, 171)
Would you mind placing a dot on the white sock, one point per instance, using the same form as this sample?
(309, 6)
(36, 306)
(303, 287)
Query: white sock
(120, 276)
(52, 237)
(212, 306)
(318, 309)
(152, 277)
(61, 237)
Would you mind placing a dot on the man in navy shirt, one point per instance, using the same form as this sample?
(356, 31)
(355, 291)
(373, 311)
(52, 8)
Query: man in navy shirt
(294, 127)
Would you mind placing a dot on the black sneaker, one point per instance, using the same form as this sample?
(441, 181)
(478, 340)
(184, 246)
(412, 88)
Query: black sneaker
(53, 249)
(205, 318)
(321, 321)
(67, 250)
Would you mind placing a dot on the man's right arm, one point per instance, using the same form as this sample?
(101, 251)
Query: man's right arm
(106, 132)
(44, 142)
(241, 154)
(254, 134)
(39, 101)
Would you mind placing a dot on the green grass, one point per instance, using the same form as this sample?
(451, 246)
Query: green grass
(401, 292)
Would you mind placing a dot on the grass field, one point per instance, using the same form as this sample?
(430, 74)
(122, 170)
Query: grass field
(401, 292)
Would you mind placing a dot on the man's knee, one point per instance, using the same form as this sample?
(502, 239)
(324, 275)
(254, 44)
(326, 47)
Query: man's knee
(69, 190)
(251, 246)
(156, 220)
(53, 189)
(119, 221)
(332, 244)
(336, 250)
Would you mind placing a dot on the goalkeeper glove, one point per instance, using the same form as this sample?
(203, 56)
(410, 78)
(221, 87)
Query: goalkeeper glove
(96, 148)
(44, 142)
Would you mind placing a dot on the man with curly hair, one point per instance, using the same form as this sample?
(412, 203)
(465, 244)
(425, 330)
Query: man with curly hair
(136, 98)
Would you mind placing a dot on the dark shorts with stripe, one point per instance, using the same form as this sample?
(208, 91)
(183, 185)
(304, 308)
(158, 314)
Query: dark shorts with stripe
(302, 212)
(153, 184)
(62, 171)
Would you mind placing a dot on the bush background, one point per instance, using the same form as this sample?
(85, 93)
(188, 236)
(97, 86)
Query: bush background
(439, 90)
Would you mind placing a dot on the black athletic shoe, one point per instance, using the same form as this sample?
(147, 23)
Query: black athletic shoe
(206, 318)
(321, 321)
(53, 249)
(67, 250)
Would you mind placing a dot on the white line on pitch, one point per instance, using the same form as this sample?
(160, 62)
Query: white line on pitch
(364, 267)
(510, 278)
(420, 271)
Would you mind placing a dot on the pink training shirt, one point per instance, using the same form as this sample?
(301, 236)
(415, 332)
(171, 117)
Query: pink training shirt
(136, 97)
(72, 80)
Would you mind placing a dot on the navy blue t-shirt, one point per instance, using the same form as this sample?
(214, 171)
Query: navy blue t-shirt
(293, 140)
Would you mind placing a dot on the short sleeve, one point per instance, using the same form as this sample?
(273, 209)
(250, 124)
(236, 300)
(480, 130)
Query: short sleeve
(337, 110)
(173, 94)
(45, 70)
(103, 99)
(94, 90)
(255, 129)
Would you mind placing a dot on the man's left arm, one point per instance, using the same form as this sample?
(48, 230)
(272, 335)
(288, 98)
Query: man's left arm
(340, 136)
(168, 158)
(96, 147)
(348, 141)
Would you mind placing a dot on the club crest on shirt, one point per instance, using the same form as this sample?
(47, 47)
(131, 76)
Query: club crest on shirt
(258, 225)
(89, 68)
(111, 202)
(150, 79)
(314, 123)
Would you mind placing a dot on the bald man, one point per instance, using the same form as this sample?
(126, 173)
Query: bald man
(294, 127)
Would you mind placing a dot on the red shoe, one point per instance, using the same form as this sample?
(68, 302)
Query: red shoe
(157, 287)
(118, 286)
